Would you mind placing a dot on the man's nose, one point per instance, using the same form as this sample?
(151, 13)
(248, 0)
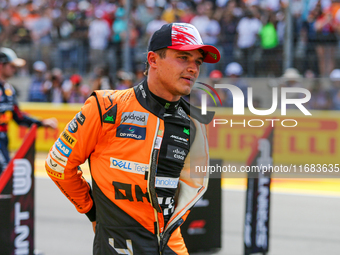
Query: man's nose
(193, 68)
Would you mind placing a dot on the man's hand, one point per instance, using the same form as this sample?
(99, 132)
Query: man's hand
(51, 123)
(94, 226)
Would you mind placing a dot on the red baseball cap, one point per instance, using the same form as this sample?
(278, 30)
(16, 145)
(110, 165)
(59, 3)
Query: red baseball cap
(75, 78)
(184, 37)
(215, 74)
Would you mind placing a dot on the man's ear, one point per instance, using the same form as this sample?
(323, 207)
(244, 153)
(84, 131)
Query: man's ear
(152, 59)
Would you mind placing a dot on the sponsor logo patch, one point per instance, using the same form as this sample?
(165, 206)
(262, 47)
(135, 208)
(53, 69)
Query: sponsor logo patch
(186, 131)
(179, 139)
(176, 153)
(158, 142)
(142, 90)
(129, 166)
(110, 115)
(68, 138)
(214, 56)
(54, 165)
(166, 182)
(73, 126)
(133, 132)
(55, 154)
(182, 113)
(80, 118)
(138, 118)
(55, 174)
(63, 148)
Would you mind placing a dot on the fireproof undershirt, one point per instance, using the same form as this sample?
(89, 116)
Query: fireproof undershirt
(174, 149)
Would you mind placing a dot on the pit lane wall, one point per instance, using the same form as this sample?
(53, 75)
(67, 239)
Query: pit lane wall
(315, 139)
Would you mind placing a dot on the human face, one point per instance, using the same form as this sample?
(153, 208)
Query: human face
(178, 71)
(7, 70)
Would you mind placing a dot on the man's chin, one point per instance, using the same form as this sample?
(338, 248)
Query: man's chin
(186, 92)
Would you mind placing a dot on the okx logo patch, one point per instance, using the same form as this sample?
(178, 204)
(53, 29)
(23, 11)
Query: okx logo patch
(110, 115)
(133, 132)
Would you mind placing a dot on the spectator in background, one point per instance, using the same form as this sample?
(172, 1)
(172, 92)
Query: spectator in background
(335, 91)
(173, 13)
(153, 26)
(189, 14)
(139, 74)
(320, 98)
(208, 28)
(308, 35)
(119, 27)
(80, 33)
(228, 34)
(53, 87)
(202, 20)
(326, 40)
(74, 90)
(121, 33)
(146, 13)
(66, 46)
(41, 36)
(125, 80)
(234, 71)
(269, 44)
(9, 105)
(101, 79)
(21, 38)
(99, 33)
(37, 92)
(291, 78)
(247, 34)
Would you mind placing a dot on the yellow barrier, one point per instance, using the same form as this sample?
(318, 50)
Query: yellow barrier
(315, 140)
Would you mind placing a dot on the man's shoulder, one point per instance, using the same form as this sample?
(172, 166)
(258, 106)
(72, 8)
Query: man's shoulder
(113, 96)
(110, 92)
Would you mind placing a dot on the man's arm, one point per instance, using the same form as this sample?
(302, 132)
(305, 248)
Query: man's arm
(23, 120)
(73, 147)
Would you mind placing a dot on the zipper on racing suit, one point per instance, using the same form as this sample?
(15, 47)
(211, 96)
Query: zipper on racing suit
(151, 181)
(178, 221)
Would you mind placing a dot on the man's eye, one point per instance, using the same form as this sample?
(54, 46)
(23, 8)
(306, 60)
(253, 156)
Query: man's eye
(184, 57)
(199, 63)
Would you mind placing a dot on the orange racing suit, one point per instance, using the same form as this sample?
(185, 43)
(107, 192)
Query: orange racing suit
(123, 163)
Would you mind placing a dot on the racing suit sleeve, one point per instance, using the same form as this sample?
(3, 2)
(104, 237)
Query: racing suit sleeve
(73, 147)
(21, 118)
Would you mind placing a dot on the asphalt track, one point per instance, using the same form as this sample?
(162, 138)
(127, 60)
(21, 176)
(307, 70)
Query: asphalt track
(304, 218)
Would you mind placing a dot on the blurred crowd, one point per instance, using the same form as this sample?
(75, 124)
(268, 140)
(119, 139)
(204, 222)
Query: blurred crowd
(64, 41)
(77, 36)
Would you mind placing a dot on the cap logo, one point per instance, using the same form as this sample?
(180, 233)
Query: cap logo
(185, 35)
(214, 56)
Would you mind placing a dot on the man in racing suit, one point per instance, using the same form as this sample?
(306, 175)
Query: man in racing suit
(138, 142)
(9, 106)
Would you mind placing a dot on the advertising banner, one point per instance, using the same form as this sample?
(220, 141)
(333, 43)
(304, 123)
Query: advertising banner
(17, 200)
(256, 226)
(314, 140)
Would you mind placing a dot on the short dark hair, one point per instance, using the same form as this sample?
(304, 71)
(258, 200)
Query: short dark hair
(161, 53)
